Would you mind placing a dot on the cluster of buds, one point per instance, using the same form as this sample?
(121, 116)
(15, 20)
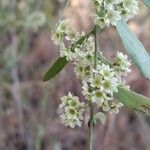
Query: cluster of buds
(111, 11)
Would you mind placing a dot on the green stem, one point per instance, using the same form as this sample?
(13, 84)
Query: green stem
(104, 60)
(90, 146)
(90, 143)
(96, 50)
(82, 39)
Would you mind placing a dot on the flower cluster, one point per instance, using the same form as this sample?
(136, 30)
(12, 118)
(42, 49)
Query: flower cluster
(64, 36)
(104, 82)
(99, 84)
(71, 110)
(111, 11)
(84, 59)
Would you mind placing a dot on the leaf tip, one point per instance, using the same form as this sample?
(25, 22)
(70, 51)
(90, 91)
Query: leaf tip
(44, 78)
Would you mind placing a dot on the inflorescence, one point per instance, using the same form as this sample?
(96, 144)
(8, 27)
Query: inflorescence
(100, 84)
(111, 11)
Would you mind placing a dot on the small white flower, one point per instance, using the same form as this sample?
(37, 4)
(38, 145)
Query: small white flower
(87, 91)
(96, 81)
(96, 3)
(82, 70)
(113, 17)
(101, 20)
(131, 6)
(122, 65)
(110, 86)
(71, 113)
(98, 97)
(106, 71)
(112, 107)
(57, 37)
(109, 97)
(64, 26)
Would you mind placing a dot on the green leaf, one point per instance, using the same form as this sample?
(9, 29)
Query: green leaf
(134, 48)
(147, 2)
(55, 69)
(100, 117)
(133, 100)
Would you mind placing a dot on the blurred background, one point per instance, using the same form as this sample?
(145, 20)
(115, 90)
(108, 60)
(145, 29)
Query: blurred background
(28, 106)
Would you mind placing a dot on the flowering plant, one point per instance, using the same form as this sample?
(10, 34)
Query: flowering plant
(103, 85)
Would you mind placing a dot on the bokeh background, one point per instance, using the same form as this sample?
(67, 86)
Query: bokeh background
(28, 106)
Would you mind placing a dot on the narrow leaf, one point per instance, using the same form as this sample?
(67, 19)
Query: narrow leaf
(55, 69)
(147, 2)
(134, 48)
(100, 117)
(133, 100)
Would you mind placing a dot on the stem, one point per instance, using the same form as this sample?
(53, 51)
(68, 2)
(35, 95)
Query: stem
(104, 60)
(90, 145)
(82, 39)
(96, 50)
